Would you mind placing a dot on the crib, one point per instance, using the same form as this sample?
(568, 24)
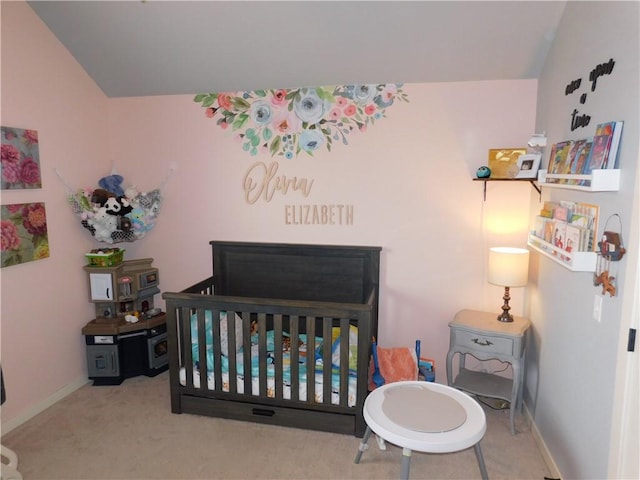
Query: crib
(279, 334)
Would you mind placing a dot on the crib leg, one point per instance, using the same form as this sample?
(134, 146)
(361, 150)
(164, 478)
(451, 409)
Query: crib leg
(363, 445)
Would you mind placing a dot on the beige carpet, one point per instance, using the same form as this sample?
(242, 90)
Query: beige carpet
(129, 432)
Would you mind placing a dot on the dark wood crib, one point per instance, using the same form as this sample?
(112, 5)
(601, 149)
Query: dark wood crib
(300, 319)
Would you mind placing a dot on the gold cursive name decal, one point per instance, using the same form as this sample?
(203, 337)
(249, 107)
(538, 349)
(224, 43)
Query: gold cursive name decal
(262, 182)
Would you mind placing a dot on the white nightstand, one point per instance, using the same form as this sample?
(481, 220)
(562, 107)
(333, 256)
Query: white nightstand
(481, 335)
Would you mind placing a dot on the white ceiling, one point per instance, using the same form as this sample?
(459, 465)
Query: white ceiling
(153, 47)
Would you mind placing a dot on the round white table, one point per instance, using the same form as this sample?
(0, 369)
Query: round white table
(466, 427)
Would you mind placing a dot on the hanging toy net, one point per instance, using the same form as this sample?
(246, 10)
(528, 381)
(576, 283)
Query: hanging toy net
(114, 215)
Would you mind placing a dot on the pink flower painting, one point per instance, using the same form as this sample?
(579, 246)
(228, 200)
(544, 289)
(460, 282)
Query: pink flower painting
(20, 159)
(24, 233)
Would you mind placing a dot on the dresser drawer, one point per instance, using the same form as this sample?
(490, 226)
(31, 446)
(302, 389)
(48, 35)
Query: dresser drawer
(484, 343)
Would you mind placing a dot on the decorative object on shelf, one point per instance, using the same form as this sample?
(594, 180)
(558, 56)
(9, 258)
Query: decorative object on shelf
(20, 159)
(503, 161)
(287, 122)
(483, 172)
(537, 142)
(528, 165)
(24, 233)
(114, 213)
(508, 267)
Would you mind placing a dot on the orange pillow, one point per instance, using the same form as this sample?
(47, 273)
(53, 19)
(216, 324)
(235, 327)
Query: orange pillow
(396, 364)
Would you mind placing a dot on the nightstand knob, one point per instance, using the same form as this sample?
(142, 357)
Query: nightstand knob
(485, 343)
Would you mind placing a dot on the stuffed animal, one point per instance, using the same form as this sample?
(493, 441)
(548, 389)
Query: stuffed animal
(117, 206)
(100, 196)
(103, 224)
(112, 183)
(607, 283)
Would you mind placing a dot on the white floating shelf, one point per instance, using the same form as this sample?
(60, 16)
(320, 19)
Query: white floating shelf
(574, 261)
(607, 180)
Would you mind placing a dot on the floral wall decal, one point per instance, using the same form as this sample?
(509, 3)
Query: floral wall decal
(20, 159)
(288, 122)
(24, 233)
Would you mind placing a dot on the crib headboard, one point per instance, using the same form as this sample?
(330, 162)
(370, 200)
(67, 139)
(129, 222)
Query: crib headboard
(327, 273)
(324, 273)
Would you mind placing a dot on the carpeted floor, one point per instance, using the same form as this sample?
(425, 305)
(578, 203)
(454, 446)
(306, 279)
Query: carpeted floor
(129, 432)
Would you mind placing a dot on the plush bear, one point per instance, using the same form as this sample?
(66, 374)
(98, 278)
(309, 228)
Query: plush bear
(100, 196)
(118, 206)
(103, 224)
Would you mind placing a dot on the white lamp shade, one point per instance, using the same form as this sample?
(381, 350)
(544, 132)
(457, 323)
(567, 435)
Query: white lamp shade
(508, 267)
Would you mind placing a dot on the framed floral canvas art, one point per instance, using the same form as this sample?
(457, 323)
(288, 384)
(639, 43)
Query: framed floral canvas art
(24, 233)
(20, 159)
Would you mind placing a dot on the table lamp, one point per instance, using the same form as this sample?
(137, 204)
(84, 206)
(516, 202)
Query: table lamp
(508, 267)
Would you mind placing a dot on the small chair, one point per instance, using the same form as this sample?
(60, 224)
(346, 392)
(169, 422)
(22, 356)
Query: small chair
(461, 422)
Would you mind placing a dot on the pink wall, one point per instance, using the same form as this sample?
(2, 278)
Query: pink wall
(43, 302)
(408, 178)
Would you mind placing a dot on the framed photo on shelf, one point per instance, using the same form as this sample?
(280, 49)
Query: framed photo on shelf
(502, 161)
(528, 165)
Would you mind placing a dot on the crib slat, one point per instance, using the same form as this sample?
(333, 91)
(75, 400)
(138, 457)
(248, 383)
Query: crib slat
(262, 349)
(217, 352)
(326, 360)
(231, 350)
(185, 325)
(277, 347)
(295, 356)
(246, 351)
(344, 360)
(310, 363)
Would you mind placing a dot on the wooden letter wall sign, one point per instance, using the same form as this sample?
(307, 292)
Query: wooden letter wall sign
(262, 182)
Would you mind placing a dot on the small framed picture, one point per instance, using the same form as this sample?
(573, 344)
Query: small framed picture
(528, 165)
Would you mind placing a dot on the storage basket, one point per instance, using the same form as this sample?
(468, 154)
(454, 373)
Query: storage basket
(107, 257)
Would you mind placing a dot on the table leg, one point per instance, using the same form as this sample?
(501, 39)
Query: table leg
(406, 463)
(483, 467)
(363, 444)
(515, 393)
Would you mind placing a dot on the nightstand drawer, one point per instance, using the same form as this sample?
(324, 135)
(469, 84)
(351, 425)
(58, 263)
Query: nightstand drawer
(484, 343)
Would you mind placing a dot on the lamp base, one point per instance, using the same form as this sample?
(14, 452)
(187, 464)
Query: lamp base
(505, 317)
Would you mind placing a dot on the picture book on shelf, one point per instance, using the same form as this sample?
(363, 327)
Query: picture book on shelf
(615, 130)
(558, 158)
(599, 151)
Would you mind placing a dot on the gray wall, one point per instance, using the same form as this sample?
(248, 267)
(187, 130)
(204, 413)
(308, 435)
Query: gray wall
(571, 357)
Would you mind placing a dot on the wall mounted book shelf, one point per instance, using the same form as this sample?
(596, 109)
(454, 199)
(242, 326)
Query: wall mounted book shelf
(574, 261)
(597, 181)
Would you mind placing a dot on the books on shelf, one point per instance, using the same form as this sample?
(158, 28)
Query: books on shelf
(581, 157)
(570, 227)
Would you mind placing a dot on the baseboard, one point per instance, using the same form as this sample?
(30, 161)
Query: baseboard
(43, 405)
(544, 450)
